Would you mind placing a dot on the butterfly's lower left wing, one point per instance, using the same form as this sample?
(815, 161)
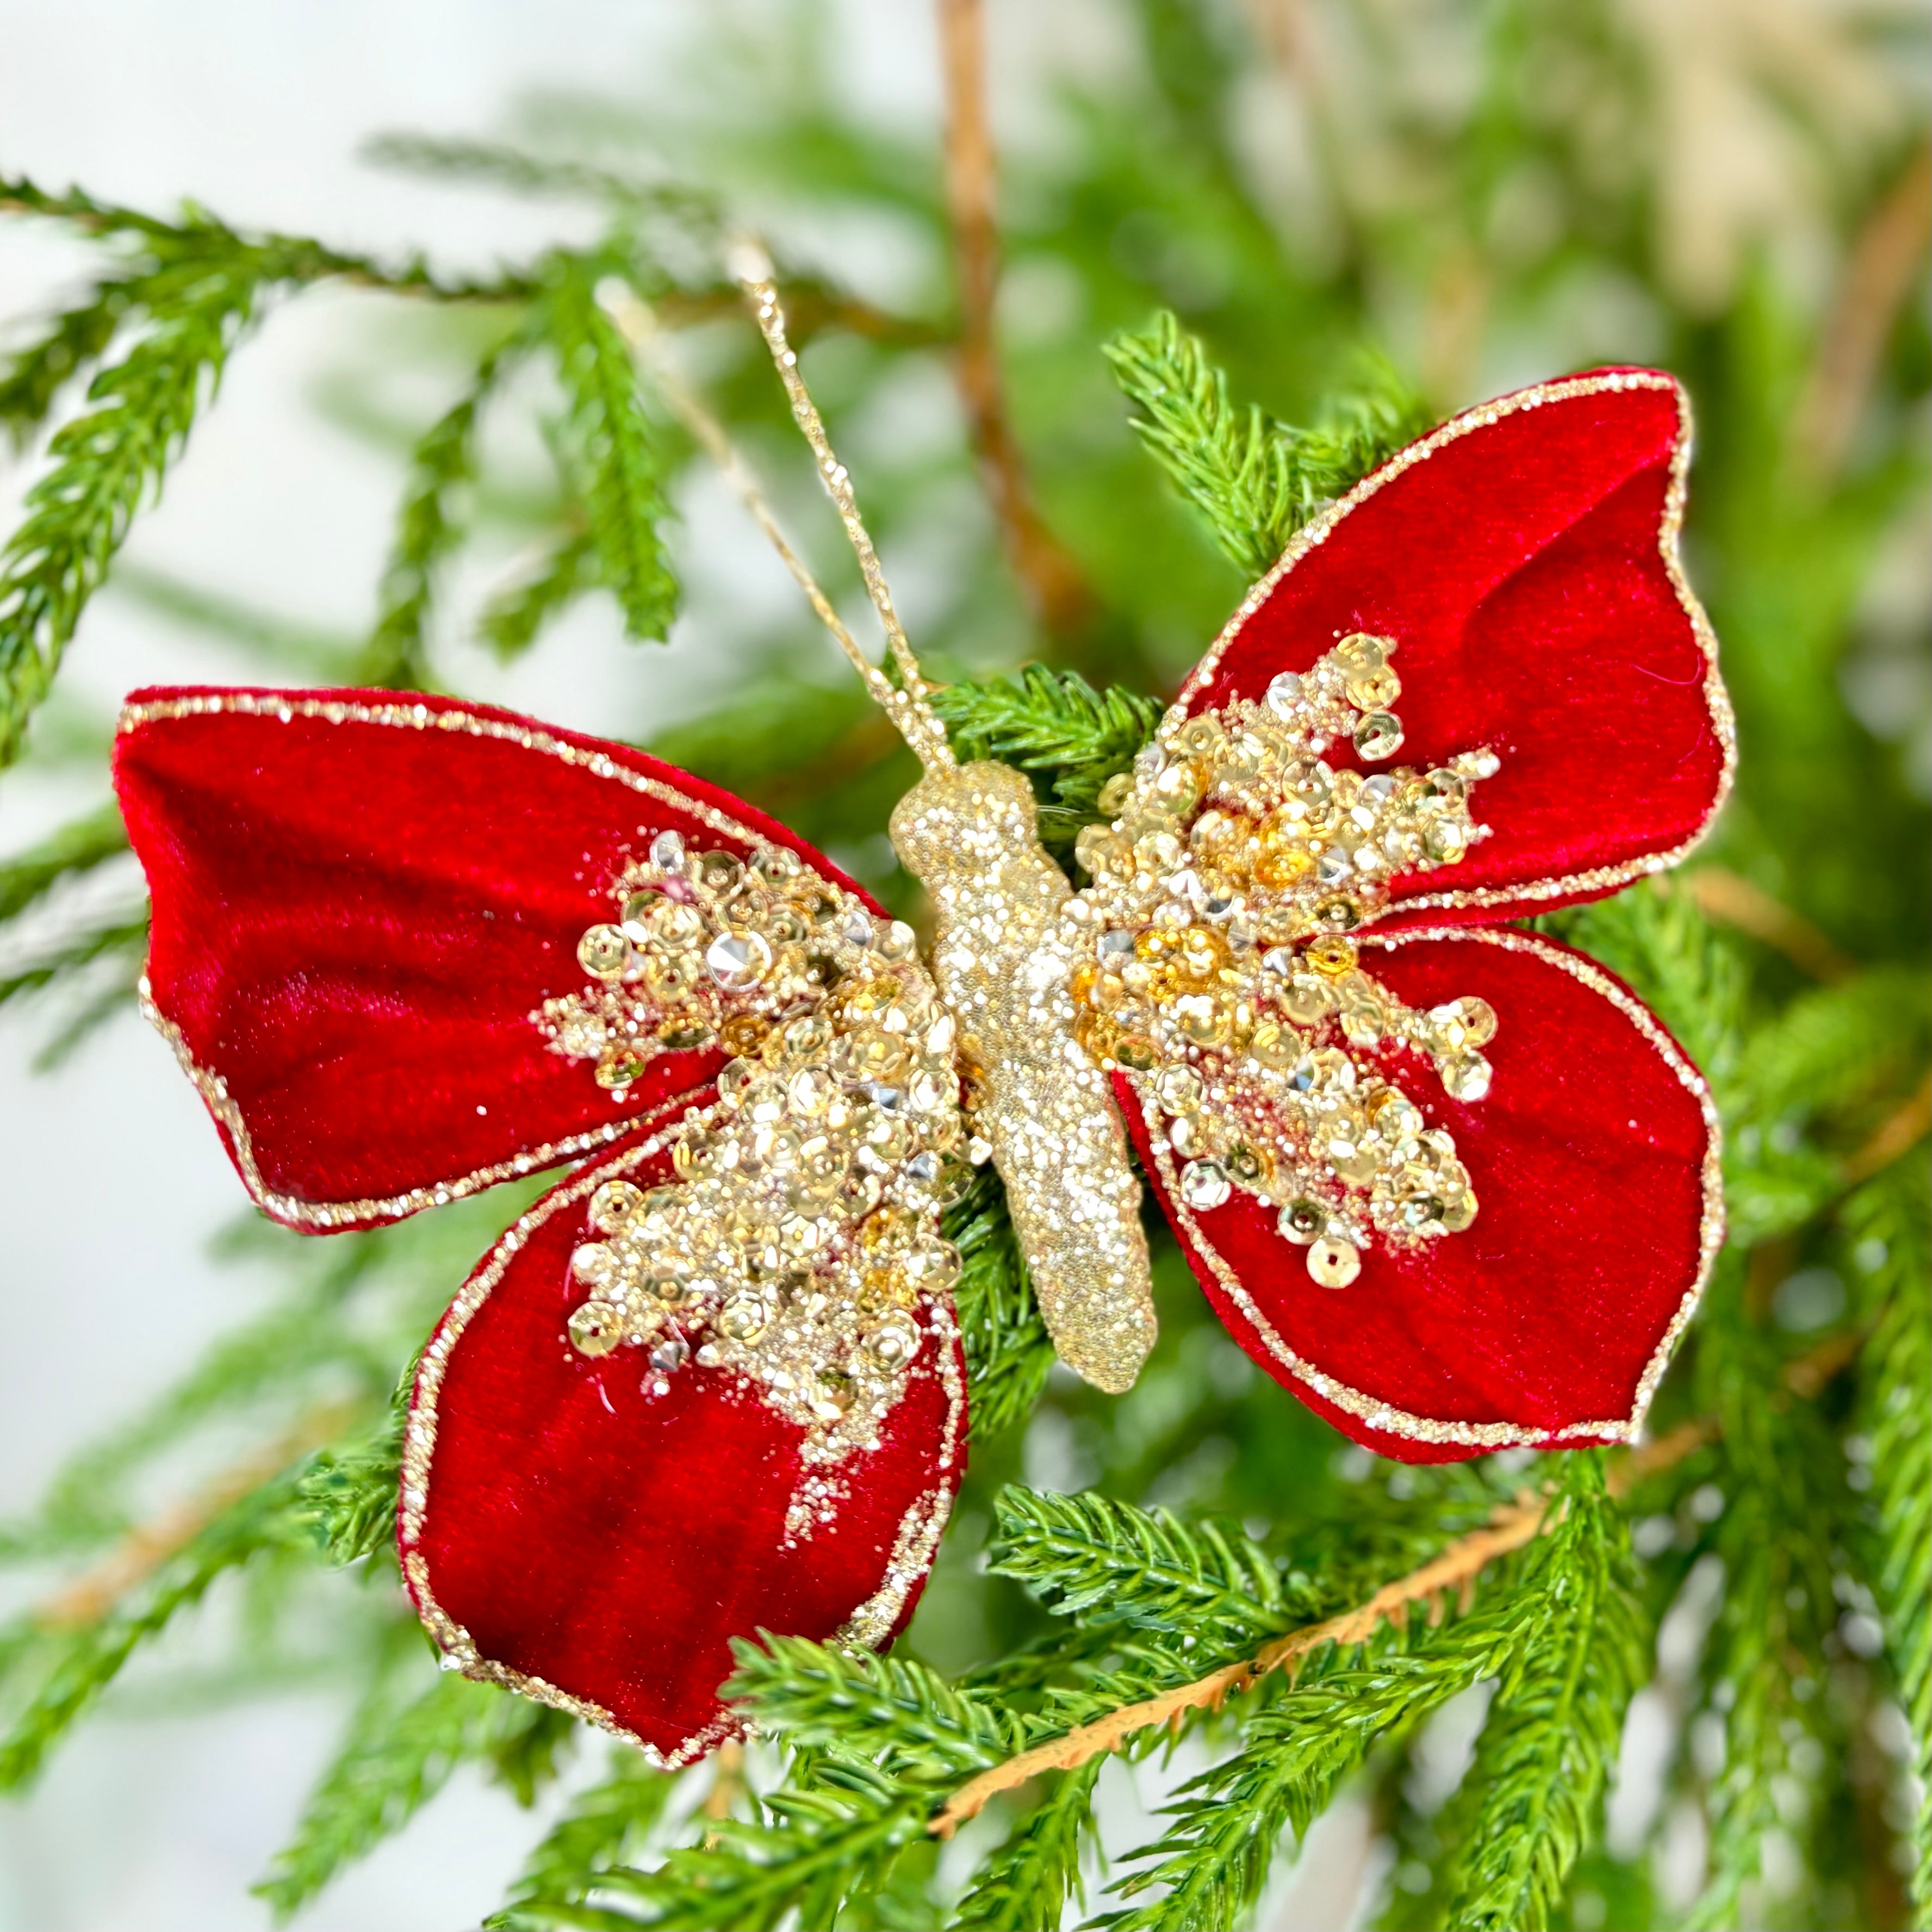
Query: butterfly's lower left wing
(593, 1529)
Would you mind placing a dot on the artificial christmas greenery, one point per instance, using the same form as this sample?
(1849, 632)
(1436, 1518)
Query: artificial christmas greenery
(1200, 1562)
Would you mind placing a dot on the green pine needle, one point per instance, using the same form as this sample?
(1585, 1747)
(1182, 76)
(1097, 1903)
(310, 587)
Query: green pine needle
(613, 450)
(85, 1660)
(1554, 1729)
(1088, 1555)
(442, 468)
(889, 1712)
(33, 377)
(1008, 1353)
(1256, 480)
(1890, 1254)
(1029, 1878)
(400, 1751)
(513, 619)
(106, 462)
(604, 1827)
(76, 847)
(1055, 724)
(350, 1492)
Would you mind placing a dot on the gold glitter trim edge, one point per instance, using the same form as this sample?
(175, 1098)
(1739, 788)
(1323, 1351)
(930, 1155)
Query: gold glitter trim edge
(870, 1622)
(403, 715)
(1382, 1416)
(1717, 702)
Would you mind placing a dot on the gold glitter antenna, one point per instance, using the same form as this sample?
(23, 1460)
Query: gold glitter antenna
(904, 703)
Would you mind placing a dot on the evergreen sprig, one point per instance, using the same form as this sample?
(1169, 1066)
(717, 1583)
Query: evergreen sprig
(511, 620)
(1030, 1876)
(604, 1827)
(397, 1755)
(351, 1491)
(1088, 1555)
(77, 847)
(1890, 1255)
(81, 1656)
(613, 451)
(1054, 723)
(1546, 1754)
(106, 463)
(1780, 1473)
(442, 468)
(1214, 1859)
(1009, 1352)
(1254, 480)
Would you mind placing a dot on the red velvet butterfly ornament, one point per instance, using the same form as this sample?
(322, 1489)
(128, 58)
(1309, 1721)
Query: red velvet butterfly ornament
(1448, 1182)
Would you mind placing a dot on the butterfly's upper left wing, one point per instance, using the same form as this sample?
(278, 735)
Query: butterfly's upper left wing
(363, 901)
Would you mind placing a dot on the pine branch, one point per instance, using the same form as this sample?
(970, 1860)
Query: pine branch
(106, 463)
(505, 167)
(1028, 1879)
(613, 449)
(1781, 1476)
(128, 938)
(78, 847)
(1214, 1860)
(92, 1640)
(889, 1712)
(1833, 1045)
(394, 1759)
(442, 469)
(1009, 1352)
(1087, 1554)
(813, 1852)
(1256, 480)
(1556, 1727)
(1454, 1570)
(1885, 1227)
(604, 1827)
(513, 617)
(1055, 724)
(34, 375)
(195, 232)
(350, 1492)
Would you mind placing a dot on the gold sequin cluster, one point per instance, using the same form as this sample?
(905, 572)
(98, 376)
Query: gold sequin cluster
(800, 1241)
(1222, 980)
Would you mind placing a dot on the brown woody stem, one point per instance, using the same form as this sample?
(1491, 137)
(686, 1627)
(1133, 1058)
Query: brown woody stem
(1059, 592)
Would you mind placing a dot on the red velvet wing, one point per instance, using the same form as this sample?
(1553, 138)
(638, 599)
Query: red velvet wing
(360, 900)
(1524, 559)
(594, 1534)
(1550, 1320)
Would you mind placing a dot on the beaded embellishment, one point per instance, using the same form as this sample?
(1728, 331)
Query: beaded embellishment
(802, 1231)
(1222, 981)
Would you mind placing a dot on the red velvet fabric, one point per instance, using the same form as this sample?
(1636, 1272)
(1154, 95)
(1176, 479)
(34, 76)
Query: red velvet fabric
(1587, 1159)
(612, 1541)
(354, 922)
(1522, 569)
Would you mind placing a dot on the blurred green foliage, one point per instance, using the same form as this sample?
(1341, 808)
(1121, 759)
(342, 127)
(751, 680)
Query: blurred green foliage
(1242, 210)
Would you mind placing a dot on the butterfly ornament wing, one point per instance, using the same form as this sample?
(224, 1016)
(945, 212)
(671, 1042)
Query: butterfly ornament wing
(1450, 1183)
(709, 1384)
